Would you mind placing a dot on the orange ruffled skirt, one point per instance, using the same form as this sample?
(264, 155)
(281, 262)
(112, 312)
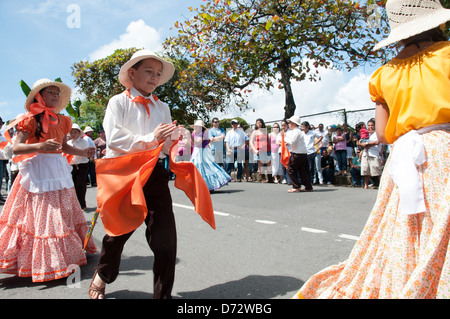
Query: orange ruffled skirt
(397, 255)
(42, 234)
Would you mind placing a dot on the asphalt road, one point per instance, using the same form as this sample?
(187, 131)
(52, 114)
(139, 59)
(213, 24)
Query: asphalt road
(267, 243)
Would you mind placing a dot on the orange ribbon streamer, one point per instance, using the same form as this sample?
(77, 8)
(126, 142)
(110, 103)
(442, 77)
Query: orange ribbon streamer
(35, 109)
(142, 100)
(285, 154)
(120, 197)
(38, 108)
(189, 180)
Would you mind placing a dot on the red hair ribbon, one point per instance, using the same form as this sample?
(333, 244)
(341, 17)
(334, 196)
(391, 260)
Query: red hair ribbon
(35, 109)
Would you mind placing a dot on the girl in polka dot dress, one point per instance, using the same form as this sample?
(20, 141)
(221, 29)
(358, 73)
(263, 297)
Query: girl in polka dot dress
(42, 226)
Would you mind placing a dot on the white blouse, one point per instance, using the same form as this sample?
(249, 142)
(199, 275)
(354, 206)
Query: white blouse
(129, 129)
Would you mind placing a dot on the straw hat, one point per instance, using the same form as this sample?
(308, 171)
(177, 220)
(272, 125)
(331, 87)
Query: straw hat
(294, 119)
(75, 126)
(167, 72)
(411, 17)
(199, 123)
(43, 83)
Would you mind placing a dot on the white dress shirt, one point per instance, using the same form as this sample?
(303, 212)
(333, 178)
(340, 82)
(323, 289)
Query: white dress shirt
(324, 135)
(296, 139)
(309, 141)
(90, 143)
(81, 144)
(235, 138)
(375, 150)
(128, 128)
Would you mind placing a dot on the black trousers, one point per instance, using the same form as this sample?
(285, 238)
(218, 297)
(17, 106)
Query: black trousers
(160, 234)
(299, 163)
(79, 177)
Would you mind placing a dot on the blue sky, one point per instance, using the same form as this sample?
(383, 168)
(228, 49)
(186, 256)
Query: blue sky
(43, 39)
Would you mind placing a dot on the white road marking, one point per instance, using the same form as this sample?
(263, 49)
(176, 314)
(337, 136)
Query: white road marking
(192, 208)
(312, 230)
(269, 222)
(348, 237)
(183, 206)
(221, 214)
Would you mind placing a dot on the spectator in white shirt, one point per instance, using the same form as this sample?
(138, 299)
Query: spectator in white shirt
(298, 162)
(235, 144)
(311, 139)
(88, 136)
(80, 164)
(371, 157)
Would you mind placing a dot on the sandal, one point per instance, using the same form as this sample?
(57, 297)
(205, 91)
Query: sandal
(93, 288)
(294, 190)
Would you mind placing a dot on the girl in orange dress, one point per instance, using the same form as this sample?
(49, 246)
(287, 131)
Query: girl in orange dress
(42, 227)
(403, 251)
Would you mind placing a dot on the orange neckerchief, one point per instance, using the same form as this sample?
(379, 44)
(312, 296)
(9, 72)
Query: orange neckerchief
(35, 109)
(120, 181)
(142, 100)
(285, 154)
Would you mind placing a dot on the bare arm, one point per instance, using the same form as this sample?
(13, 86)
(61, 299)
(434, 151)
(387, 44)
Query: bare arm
(68, 149)
(20, 147)
(381, 118)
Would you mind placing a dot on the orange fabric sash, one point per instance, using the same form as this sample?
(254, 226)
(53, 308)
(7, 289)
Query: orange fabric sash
(35, 109)
(189, 180)
(120, 196)
(68, 157)
(285, 154)
(140, 99)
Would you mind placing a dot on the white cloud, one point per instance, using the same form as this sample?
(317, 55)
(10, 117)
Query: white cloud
(332, 92)
(354, 94)
(138, 34)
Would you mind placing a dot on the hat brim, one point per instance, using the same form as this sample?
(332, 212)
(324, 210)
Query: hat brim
(291, 120)
(203, 125)
(65, 91)
(415, 27)
(167, 72)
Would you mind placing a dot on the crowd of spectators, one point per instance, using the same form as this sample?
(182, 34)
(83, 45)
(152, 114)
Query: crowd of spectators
(253, 153)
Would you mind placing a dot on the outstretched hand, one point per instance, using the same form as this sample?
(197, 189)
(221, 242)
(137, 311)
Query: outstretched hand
(90, 151)
(50, 145)
(164, 131)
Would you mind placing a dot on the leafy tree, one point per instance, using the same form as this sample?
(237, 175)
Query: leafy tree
(98, 80)
(233, 44)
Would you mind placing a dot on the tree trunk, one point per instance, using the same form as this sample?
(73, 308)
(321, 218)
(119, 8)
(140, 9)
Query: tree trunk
(286, 72)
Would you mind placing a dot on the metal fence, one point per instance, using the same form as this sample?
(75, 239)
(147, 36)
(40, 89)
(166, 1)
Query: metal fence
(337, 117)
